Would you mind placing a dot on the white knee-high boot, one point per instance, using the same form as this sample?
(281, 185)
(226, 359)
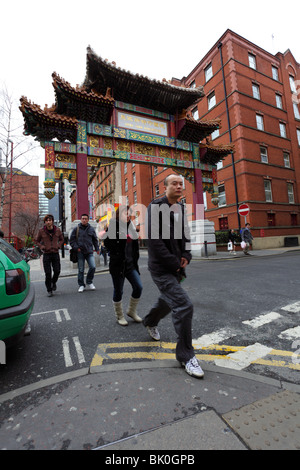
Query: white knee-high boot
(132, 310)
(119, 313)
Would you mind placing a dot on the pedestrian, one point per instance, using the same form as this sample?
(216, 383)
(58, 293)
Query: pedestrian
(84, 239)
(121, 242)
(50, 240)
(247, 239)
(1, 234)
(232, 239)
(168, 256)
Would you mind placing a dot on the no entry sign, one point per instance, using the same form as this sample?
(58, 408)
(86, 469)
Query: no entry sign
(244, 210)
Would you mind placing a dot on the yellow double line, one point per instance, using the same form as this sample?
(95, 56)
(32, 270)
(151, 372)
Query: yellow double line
(162, 351)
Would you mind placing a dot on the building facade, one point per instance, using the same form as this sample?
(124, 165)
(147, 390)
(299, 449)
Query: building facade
(254, 93)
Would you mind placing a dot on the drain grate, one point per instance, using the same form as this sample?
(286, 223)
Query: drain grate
(269, 424)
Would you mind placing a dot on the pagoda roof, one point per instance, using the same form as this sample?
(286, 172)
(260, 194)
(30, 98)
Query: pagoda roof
(215, 153)
(46, 124)
(137, 89)
(78, 102)
(193, 130)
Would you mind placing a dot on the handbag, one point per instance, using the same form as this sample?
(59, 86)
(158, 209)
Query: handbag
(73, 252)
(73, 255)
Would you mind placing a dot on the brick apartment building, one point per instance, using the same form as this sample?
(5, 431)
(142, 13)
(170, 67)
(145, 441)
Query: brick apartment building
(254, 93)
(21, 203)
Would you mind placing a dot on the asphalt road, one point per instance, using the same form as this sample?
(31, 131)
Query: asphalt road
(67, 328)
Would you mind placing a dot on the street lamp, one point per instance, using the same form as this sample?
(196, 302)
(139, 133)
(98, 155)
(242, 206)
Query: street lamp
(10, 189)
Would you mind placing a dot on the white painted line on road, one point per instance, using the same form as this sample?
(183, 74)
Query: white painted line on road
(262, 320)
(293, 308)
(79, 351)
(213, 338)
(66, 351)
(242, 359)
(58, 315)
(292, 333)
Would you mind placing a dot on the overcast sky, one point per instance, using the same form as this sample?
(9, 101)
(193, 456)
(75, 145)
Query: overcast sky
(157, 38)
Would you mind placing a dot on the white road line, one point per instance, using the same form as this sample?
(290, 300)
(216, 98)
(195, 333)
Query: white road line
(212, 338)
(242, 359)
(57, 314)
(262, 320)
(66, 351)
(293, 308)
(291, 334)
(79, 351)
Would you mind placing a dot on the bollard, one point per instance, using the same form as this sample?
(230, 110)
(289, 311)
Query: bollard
(2, 353)
(205, 248)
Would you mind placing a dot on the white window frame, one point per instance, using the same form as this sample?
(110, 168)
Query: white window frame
(298, 136)
(275, 74)
(292, 84)
(211, 100)
(264, 154)
(208, 71)
(279, 101)
(195, 113)
(286, 160)
(252, 61)
(268, 190)
(282, 129)
(290, 191)
(222, 195)
(255, 91)
(296, 110)
(260, 122)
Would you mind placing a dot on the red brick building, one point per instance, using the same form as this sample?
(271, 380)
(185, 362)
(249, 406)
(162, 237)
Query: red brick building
(255, 95)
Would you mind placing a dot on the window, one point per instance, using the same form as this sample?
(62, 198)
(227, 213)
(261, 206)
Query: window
(193, 84)
(255, 90)
(223, 223)
(126, 185)
(296, 111)
(134, 197)
(279, 101)
(298, 136)
(211, 100)
(133, 179)
(195, 113)
(216, 134)
(282, 128)
(222, 196)
(263, 155)
(275, 73)
(292, 84)
(155, 172)
(286, 160)
(156, 190)
(271, 219)
(125, 168)
(260, 122)
(208, 72)
(290, 189)
(252, 61)
(268, 190)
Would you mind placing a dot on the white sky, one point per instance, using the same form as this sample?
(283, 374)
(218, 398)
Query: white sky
(157, 38)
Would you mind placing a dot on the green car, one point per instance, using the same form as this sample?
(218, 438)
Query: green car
(16, 294)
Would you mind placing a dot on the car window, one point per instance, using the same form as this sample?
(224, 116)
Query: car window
(10, 252)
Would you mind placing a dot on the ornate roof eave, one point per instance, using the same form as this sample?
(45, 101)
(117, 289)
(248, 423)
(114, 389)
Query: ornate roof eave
(137, 89)
(78, 102)
(215, 153)
(193, 130)
(45, 124)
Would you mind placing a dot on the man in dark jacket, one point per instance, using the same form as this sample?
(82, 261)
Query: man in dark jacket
(50, 240)
(84, 240)
(168, 257)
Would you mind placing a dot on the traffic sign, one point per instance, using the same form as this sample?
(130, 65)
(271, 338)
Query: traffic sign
(244, 210)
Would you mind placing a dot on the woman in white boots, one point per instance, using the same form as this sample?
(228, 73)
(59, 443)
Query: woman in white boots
(122, 243)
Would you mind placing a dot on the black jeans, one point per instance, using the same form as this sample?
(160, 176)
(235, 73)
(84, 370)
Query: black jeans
(51, 260)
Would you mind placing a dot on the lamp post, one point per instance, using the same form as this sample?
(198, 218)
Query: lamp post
(10, 189)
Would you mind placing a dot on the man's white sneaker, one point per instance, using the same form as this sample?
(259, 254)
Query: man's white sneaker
(81, 289)
(153, 332)
(91, 286)
(192, 367)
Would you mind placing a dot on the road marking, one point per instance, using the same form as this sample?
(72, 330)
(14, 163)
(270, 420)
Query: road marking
(57, 314)
(293, 308)
(239, 357)
(67, 353)
(213, 338)
(262, 320)
(292, 333)
(242, 359)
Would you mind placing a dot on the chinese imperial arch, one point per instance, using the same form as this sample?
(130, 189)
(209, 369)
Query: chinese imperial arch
(106, 118)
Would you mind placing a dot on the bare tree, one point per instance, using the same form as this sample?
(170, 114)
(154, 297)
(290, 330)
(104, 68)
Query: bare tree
(14, 147)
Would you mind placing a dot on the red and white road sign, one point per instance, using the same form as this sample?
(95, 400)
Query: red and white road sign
(244, 209)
